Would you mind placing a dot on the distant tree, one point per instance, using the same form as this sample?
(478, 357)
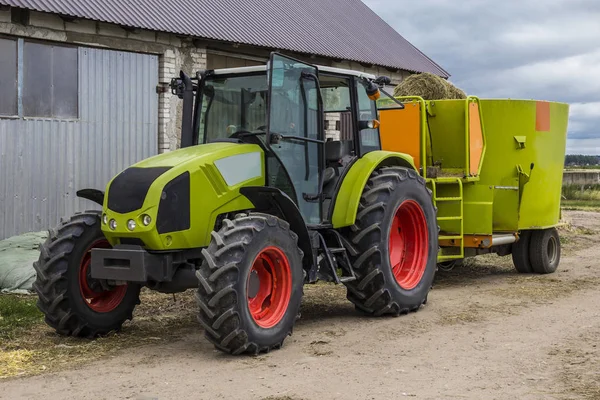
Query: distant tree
(581, 160)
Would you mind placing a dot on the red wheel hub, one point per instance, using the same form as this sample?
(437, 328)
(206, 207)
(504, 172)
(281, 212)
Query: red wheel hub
(408, 244)
(269, 287)
(95, 297)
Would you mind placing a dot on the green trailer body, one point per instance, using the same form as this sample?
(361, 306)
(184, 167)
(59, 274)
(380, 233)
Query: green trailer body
(495, 165)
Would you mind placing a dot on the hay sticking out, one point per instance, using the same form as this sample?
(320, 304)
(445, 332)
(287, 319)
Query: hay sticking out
(429, 87)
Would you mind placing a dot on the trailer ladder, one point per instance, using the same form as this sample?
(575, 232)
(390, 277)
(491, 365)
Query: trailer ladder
(458, 218)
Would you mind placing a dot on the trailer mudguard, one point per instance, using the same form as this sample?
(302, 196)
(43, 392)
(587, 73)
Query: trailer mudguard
(348, 197)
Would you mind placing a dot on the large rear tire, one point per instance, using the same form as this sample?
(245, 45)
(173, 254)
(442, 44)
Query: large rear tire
(72, 302)
(396, 234)
(250, 284)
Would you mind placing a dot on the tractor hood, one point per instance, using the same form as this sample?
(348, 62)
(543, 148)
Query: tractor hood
(171, 200)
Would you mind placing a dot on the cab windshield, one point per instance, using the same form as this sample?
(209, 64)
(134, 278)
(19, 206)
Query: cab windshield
(233, 106)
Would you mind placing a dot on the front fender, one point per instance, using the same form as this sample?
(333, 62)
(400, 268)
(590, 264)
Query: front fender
(348, 197)
(95, 195)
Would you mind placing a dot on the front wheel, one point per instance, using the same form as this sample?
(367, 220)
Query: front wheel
(250, 284)
(397, 237)
(72, 302)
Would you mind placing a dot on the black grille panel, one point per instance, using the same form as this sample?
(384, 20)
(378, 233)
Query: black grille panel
(174, 207)
(129, 189)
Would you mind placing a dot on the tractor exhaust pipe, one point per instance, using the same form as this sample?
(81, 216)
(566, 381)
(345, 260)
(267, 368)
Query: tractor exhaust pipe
(187, 132)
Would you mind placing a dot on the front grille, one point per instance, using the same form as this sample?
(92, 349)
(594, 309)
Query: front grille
(174, 207)
(132, 241)
(129, 189)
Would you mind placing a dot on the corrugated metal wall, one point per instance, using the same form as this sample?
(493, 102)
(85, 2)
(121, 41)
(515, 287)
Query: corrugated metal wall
(43, 162)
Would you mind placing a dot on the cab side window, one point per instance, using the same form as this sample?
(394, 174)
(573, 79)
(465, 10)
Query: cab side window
(367, 110)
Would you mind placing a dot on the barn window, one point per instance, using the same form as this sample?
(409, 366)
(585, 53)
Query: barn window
(38, 80)
(8, 77)
(49, 81)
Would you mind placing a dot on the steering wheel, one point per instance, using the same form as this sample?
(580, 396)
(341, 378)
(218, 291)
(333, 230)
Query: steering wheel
(245, 132)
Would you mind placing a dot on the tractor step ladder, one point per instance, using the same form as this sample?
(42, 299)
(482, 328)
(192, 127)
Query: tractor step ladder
(460, 217)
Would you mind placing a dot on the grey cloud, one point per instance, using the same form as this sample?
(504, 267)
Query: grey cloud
(532, 49)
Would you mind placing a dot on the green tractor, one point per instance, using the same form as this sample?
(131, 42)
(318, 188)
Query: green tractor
(255, 204)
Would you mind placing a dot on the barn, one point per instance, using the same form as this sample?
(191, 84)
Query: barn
(84, 85)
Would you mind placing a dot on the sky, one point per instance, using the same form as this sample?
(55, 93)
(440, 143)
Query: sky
(527, 49)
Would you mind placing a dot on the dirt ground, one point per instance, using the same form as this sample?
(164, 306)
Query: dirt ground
(485, 333)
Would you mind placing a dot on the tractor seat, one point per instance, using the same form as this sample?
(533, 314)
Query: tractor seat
(334, 151)
(328, 175)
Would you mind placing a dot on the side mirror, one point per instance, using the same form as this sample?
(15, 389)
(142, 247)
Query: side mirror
(383, 81)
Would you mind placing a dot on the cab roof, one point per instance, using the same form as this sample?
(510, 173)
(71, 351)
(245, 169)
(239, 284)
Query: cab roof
(321, 68)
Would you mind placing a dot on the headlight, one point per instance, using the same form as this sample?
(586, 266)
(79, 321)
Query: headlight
(104, 219)
(131, 224)
(146, 219)
(112, 224)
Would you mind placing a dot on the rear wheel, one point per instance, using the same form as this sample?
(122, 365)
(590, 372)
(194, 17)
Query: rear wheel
(544, 251)
(520, 253)
(250, 284)
(397, 237)
(73, 303)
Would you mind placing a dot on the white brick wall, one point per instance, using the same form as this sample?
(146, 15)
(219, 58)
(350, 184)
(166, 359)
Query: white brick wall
(190, 59)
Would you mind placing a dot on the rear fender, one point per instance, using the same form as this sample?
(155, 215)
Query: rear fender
(348, 197)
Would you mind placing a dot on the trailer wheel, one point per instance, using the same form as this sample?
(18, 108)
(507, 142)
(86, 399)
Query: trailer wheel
(545, 251)
(250, 284)
(72, 302)
(396, 234)
(520, 253)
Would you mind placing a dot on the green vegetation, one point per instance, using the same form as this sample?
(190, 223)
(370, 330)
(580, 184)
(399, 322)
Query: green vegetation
(17, 314)
(578, 197)
(581, 161)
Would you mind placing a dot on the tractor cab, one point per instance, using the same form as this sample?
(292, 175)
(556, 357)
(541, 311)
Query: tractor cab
(311, 122)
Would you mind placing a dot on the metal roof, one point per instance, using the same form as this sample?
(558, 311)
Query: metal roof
(340, 29)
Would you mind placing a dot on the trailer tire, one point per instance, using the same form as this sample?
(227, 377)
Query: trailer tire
(521, 253)
(249, 254)
(396, 209)
(545, 251)
(64, 287)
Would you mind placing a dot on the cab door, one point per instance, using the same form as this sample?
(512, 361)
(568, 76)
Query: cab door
(295, 133)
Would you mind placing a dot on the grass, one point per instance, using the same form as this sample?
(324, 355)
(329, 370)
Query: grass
(17, 314)
(576, 197)
(28, 346)
(581, 192)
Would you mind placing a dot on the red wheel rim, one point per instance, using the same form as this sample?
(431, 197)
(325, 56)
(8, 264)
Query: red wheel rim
(99, 301)
(408, 244)
(269, 287)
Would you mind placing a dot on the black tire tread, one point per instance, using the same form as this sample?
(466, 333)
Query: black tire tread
(219, 272)
(51, 278)
(537, 253)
